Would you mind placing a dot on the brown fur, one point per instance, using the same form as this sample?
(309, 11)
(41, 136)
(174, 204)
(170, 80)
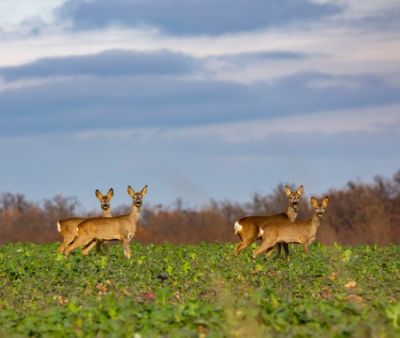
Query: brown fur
(69, 227)
(121, 228)
(301, 232)
(251, 225)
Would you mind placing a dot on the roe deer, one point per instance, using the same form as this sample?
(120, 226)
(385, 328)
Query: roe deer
(249, 228)
(301, 232)
(122, 227)
(68, 227)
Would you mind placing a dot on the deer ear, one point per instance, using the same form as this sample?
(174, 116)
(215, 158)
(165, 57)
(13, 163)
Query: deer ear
(314, 202)
(288, 191)
(144, 190)
(131, 192)
(99, 195)
(110, 193)
(300, 190)
(325, 202)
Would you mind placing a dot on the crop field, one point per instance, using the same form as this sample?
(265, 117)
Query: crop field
(199, 291)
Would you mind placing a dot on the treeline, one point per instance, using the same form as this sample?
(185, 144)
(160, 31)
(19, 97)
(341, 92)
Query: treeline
(367, 213)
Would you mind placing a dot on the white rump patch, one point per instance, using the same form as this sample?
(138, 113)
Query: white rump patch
(237, 227)
(59, 227)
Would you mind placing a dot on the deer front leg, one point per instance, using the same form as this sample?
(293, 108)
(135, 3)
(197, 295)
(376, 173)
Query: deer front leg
(286, 248)
(127, 249)
(101, 246)
(98, 246)
(104, 247)
(278, 250)
(305, 246)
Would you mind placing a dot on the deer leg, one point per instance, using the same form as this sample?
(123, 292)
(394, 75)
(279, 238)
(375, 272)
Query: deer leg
(278, 250)
(88, 247)
(286, 248)
(127, 249)
(305, 246)
(98, 246)
(63, 246)
(241, 246)
(267, 244)
(104, 247)
(67, 239)
(269, 251)
(76, 243)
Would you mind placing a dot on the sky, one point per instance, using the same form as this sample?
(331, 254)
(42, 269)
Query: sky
(201, 100)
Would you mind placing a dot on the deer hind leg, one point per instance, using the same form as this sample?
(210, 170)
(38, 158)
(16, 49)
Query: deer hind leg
(63, 246)
(127, 249)
(265, 245)
(68, 238)
(242, 245)
(88, 247)
(305, 246)
(241, 240)
(80, 240)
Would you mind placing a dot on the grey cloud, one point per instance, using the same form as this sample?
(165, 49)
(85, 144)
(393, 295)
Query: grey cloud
(387, 20)
(263, 55)
(149, 100)
(110, 63)
(194, 17)
(127, 63)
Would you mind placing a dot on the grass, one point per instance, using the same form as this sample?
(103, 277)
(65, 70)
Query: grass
(199, 291)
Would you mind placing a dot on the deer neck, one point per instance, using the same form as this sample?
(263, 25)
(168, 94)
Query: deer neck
(315, 223)
(291, 213)
(134, 214)
(105, 213)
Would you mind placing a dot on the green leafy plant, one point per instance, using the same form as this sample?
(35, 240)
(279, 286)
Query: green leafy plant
(199, 290)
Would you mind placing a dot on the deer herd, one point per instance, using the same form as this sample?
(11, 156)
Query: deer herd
(274, 231)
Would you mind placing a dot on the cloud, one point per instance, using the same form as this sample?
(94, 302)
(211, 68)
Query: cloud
(200, 92)
(369, 16)
(192, 17)
(388, 20)
(363, 120)
(105, 64)
(22, 15)
(250, 57)
(143, 100)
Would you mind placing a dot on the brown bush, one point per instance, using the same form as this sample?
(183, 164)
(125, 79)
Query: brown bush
(21, 220)
(364, 213)
(359, 213)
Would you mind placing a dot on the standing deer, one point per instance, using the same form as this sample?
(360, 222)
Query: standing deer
(301, 232)
(249, 228)
(121, 228)
(68, 227)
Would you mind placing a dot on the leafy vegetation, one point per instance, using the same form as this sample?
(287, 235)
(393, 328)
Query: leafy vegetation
(199, 291)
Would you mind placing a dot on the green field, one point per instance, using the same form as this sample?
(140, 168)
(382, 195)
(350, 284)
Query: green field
(199, 291)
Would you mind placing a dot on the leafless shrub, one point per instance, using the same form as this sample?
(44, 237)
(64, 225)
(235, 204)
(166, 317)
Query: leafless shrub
(359, 213)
